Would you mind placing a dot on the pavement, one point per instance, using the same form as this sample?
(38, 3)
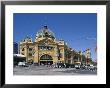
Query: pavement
(44, 70)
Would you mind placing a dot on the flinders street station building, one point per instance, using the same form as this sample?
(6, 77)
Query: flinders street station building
(47, 49)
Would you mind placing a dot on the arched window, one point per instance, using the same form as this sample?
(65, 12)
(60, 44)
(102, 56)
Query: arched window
(22, 49)
(46, 57)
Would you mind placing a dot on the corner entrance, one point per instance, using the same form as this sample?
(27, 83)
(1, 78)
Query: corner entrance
(46, 60)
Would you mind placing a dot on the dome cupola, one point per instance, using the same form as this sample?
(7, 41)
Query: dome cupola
(45, 33)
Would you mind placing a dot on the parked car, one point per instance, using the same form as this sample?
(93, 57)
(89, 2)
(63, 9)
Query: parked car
(91, 67)
(77, 66)
(83, 67)
(61, 65)
(22, 64)
(95, 67)
(72, 65)
(67, 65)
(36, 64)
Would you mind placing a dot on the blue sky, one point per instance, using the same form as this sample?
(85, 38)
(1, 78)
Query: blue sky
(79, 30)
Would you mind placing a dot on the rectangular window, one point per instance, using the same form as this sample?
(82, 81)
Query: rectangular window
(30, 54)
(30, 49)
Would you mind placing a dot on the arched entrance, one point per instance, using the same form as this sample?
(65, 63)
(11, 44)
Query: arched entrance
(46, 59)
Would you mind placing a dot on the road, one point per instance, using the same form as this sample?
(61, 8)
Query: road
(44, 70)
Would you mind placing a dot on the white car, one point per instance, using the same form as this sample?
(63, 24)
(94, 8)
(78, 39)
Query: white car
(21, 64)
(77, 66)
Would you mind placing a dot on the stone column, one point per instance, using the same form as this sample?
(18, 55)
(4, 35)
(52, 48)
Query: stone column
(26, 52)
(36, 57)
(55, 59)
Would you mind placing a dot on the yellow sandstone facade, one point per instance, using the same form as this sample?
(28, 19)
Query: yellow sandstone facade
(45, 49)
